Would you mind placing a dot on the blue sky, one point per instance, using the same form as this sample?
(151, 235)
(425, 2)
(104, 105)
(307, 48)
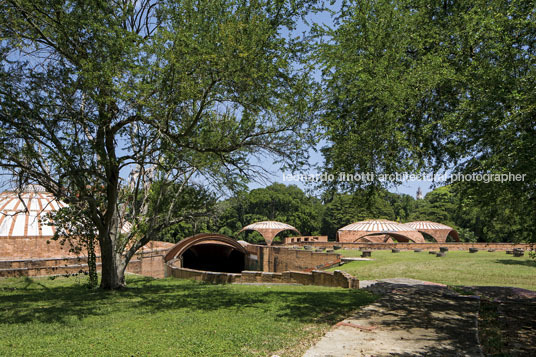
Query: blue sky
(276, 174)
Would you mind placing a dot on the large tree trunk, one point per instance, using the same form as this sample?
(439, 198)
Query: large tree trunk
(113, 265)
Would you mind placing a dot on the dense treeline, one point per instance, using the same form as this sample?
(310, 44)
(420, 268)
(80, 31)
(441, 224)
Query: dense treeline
(324, 216)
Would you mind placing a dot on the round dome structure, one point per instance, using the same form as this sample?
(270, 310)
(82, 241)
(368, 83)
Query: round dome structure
(378, 231)
(269, 229)
(23, 214)
(437, 231)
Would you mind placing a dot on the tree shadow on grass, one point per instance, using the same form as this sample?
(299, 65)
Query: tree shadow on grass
(61, 304)
(528, 263)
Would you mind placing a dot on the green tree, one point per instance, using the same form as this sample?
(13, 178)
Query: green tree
(193, 211)
(170, 90)
(277, 202)
(344, 209)
(419, 86)
(439, 205)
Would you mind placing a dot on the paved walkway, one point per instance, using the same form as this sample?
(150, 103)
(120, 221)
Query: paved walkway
(412, 318)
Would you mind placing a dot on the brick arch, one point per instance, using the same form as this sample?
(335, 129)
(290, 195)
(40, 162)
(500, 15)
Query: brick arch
(209, 252)
(438, 231)
(178, 249)
(375, 239)
(440, 235)
(404, 237)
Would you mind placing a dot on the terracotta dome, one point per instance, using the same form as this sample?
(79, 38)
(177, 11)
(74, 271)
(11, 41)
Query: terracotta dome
(438, 231)
(24, 214)
(378, 231)
(269, 229)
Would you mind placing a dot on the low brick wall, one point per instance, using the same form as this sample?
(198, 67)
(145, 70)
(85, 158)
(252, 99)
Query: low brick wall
(321, 278)
(411, 246)
(291, 240)
(44, 247)
(280, 259)
(146, 262)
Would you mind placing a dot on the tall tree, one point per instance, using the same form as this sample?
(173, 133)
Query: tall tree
(343, 209)
(169, 90)
(420, 86)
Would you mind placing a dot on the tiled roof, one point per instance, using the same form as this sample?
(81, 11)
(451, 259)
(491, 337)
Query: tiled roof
(377, 225)
(424, 225)
(24, 214)
(268, 225)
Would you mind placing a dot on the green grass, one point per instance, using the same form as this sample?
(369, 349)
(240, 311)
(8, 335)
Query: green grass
(457, 268)
(168, 317)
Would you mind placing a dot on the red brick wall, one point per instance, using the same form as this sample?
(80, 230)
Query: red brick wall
(278, 259)
(321, 278)
(40, 247)
(306, 239)
(147, 262)
(411, 246)
(32, 248)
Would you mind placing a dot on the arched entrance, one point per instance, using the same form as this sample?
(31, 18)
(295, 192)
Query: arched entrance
(209, 252)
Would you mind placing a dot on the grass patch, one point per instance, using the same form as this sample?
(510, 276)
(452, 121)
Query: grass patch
(456, 268)
(168, 317)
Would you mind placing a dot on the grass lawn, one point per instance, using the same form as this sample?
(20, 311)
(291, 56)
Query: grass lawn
(168, 317)
(457, 268)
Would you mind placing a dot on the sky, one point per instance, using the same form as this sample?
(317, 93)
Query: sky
(277, 175)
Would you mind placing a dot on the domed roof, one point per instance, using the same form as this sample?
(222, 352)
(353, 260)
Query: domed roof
(424, 225)
(377, 225)
(23, 214)
(269, 229)
(268, 225)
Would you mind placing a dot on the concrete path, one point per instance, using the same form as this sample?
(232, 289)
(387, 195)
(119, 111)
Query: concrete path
(355, 259)
(412, 318)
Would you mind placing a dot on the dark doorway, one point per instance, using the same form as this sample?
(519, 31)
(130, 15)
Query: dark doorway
(214, 257)
(428, 237)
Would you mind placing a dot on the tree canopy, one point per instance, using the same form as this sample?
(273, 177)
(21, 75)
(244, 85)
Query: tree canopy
(167, 90)
(419, 86)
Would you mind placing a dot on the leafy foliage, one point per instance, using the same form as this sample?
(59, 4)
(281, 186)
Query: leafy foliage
(277, 202)
(414, 86)
(169, 90)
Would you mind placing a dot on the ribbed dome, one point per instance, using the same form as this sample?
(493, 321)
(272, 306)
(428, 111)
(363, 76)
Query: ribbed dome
(424, 225)
(377, 225)
(16, 222)
(268, 225)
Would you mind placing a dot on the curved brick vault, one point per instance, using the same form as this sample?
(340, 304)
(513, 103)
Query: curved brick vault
(373, 238)
(437, 231)
(378, 231)
(269, 229)
(209, 252)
